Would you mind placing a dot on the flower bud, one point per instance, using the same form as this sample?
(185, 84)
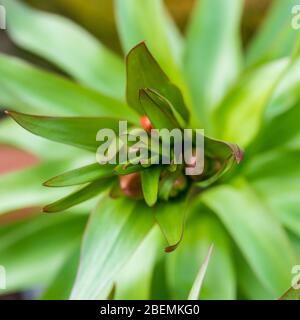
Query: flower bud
(146, 123)
(179, 185)
(131, 186)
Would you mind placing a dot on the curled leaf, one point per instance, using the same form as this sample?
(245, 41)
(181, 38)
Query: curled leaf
(143, 71)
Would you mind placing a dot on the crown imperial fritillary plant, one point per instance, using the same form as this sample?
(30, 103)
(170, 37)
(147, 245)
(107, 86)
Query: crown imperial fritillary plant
(119, 218)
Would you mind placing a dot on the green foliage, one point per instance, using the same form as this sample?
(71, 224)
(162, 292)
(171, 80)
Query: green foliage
(276, 38)
(291, 294)
(35, 249)
(212, 58)
(123, 224)
(76, 53)
(144, 72)
(259, 236)
(82, 175)
(150, 183)
(244, 208)
(196, 288)
(66, 130)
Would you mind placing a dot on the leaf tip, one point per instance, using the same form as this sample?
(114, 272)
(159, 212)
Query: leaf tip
(45, 210)
(239, 155)
(51, 183)
(172, 248)
(47, 183)
(48, 209)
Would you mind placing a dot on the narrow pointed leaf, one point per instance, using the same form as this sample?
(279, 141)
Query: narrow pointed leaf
(144, 72)
(50, 94)
(68, 46)
(90, 191)
(82, 175)
(171, 220)
(276, 38)
(150, 182)
(128, 168)
(197, 285)
(23, 189)
(115, 231)
(149, 21)
(257, 233)
(182, 266)
(77, 132)
(14, 135)
(212, 66)
(291, 294)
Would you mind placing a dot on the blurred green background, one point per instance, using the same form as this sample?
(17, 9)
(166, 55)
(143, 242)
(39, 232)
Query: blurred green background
(97, 16)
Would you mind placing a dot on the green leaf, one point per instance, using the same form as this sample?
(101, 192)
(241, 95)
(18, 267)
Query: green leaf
(24, 188)
(278, 132)
(148, 21)
(69, 46)
(275, 177)
(150, 182)
(144, 72)
(86, 193)
(82, 175)
(50, 94)
(159, 286)
(286, 94)
(34, 250)
(115, 231)
(197, 285)
(170, 216)
(250, 288)
(157, 110)
(221, 157)
(291, 294)
(222, 150)
(256, 231)
(276, 38)
(182, 267)
(212, 66)
(14, 135)
(128, 168)
(281, 165)
(217, 175)
(60, 288)
(135, 279)
(77, 132)
(238, 118)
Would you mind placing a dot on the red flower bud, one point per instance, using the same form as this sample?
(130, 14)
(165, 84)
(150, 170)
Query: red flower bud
(146, 123)
(131, 186)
